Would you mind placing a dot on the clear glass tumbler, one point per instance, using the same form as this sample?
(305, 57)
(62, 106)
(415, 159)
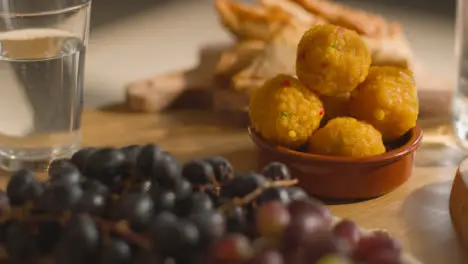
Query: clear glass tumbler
(42, 56)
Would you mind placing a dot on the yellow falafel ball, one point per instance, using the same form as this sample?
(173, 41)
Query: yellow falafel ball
(335, 106)
(388, 100)
(346, 136)
(332, 60)
(285, 112)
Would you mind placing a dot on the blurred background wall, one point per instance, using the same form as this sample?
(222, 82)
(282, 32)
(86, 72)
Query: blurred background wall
(109, 10)
(136, 39)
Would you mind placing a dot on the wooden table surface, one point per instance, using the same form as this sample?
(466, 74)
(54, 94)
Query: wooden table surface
(416, 213)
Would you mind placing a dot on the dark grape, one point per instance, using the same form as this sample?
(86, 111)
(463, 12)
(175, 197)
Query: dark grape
(79, 243)
(195, 203)
(4, 206)
(201, 202)
(198, 172)
(147, 157)
(234, 248)
(269, 256)
(140, 186)
(18, 186)
(167, 171)
(182, 188)
(18, 242)
(92, 202)
(131, 154)
(297, 193)
(276, 171)
(161, 222)
(374, 244)
(137, 209)
(66, 196)
(236, 221)
(274, 194)
(243, 184)
(347, 230)
(222, 169)
(94, 186)
(81, 233)
(56, 166)
(178, 209)
(80, 158)
(272, 219)
(106, 165)
(171, 237)
(66, 175)
(113, 210)
(211, 226)
(163, 200)
(49, 233)
(116, 251)
(60, 197)
(34, 191)
(213, 192)
(148, 257)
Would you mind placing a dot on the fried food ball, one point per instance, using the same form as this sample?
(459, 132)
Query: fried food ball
(346, 136)
(335, 106)
(388, 100)
(332, 60)
(285, 112)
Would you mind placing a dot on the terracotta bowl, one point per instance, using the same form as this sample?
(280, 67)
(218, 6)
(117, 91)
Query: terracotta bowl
(343, 177)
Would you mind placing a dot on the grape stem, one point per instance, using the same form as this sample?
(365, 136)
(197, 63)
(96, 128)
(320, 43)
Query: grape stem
(121, 227)
(254, 195)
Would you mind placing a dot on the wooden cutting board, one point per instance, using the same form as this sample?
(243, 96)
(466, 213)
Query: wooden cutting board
(198, 88)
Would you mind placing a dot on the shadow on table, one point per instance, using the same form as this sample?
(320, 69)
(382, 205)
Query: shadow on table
(426, 214)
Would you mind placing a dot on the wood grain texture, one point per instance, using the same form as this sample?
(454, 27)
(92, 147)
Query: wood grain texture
(416, 213)
(203, 85)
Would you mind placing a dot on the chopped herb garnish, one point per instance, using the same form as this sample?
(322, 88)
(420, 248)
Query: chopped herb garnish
(284, 114)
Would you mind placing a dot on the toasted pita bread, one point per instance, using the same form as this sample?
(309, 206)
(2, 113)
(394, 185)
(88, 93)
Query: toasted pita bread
(294, 11)
(238, 58)
(278, 56)
(364, 23)
(250, 22)
(386, 41)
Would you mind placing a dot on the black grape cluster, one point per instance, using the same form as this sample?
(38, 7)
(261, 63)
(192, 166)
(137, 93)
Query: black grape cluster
(139, 204)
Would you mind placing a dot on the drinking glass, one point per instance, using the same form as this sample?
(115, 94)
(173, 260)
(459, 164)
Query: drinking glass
(42, 56)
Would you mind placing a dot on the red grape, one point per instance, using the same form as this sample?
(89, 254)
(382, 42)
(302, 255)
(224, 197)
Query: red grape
(347, 230)
(231, 249)
(307, 219)
(324, 244)
(299, 208)
(272, 219)
(262, 243)
(374, 244)
(267, 257)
